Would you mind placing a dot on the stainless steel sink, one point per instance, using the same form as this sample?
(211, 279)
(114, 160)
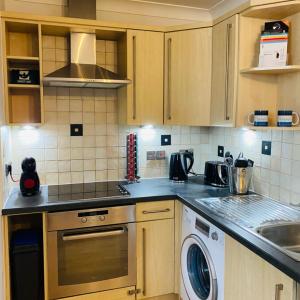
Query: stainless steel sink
(285, 236)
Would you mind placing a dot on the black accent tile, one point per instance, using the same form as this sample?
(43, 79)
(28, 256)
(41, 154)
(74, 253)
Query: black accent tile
(165, 140)
(266, 147)
(76, 130)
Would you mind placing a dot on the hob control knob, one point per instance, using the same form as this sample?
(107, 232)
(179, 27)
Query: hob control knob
(214, 236)
(102, 218)
(83, 220)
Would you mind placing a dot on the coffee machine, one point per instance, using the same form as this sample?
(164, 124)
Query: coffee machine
(240, 174)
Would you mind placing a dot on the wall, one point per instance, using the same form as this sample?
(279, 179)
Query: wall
(278, 175)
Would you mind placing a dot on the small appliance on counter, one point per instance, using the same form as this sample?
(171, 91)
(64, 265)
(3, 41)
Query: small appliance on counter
(240, 174)
(216, 173)
(29, 182)
(179, 167)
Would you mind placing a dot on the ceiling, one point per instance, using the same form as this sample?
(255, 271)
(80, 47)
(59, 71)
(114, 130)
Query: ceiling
(200, 4)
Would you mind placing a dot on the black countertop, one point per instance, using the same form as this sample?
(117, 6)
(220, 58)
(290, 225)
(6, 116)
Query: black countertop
(163, 189)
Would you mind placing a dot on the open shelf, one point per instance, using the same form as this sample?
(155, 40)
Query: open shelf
(24, 86)
(263, 88)
(24, 105)
(272, 71)
(22, 52)
(275, 11)
(293, 128)
(14, 58)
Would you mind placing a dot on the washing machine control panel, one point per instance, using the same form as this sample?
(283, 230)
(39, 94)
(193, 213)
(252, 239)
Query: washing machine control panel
(208, 231)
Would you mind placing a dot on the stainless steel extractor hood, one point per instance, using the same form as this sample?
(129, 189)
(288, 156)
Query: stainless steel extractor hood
(83, 71)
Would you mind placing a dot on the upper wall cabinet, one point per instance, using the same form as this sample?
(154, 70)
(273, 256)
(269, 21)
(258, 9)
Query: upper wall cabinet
(224, 72)
(188, 63)
(141, 102)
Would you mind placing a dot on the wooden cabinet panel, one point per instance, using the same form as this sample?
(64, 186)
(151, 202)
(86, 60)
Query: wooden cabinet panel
(142, 100)
(155, 258)
(224, 72)
(118, 294)
(248, 277)
(154, 210)
(188, 77)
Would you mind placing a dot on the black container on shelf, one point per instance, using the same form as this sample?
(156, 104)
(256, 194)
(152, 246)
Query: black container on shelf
(24, 76)
(27, 265)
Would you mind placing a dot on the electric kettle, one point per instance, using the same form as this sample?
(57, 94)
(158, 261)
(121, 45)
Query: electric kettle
(179, 165)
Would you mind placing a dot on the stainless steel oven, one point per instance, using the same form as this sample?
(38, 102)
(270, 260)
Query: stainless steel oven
(91, 250)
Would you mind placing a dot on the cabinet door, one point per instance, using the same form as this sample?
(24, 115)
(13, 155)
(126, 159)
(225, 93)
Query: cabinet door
(248, 277)
(224, 72)
(144, 96)
(188, 77)
(155, 258)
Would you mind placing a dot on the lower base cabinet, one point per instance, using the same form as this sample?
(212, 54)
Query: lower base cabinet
(155, 258)
(248, 277)
(118, 294)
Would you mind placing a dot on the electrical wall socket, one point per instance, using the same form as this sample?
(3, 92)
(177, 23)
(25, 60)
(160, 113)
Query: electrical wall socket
(160, 155)
(151, 155)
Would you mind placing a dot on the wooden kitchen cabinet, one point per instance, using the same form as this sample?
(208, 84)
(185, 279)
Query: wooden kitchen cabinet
(188, 63)
(248, 277)
(141, 101)
(224, 72)
(155, 258)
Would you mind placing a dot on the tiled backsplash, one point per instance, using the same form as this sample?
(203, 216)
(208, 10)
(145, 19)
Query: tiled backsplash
(277, 175)
(100, 153)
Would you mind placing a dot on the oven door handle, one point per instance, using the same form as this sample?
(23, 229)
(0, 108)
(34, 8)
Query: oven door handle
(84, 236)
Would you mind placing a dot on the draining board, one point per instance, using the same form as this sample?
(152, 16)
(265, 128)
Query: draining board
(251, 210)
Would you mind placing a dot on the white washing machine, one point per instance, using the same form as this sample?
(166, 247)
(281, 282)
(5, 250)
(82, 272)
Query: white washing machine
(202, 258)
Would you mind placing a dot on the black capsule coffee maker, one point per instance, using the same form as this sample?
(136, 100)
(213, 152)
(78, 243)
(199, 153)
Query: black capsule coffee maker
(29, 182)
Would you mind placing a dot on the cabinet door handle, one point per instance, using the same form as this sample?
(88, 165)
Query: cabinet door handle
(145, 212)
(228, 38)
(169, 104)
(134, 77)
(144, 262)
(278, 289)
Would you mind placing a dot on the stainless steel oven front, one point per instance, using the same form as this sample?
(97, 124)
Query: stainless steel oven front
(91, 250)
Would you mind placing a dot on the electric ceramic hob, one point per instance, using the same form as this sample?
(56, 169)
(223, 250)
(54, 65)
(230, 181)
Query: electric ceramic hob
(87, 191)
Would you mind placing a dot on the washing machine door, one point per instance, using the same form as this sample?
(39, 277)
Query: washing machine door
(197, 270)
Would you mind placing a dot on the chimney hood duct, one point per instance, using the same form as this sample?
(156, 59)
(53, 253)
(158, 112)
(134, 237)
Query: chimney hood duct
(83, 70)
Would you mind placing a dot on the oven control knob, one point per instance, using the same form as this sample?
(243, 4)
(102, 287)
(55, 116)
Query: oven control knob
(83, 220)
(102, 218)
(214, 236)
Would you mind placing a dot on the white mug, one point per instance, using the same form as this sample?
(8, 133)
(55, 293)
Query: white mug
(285, 118)
(259, 118)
